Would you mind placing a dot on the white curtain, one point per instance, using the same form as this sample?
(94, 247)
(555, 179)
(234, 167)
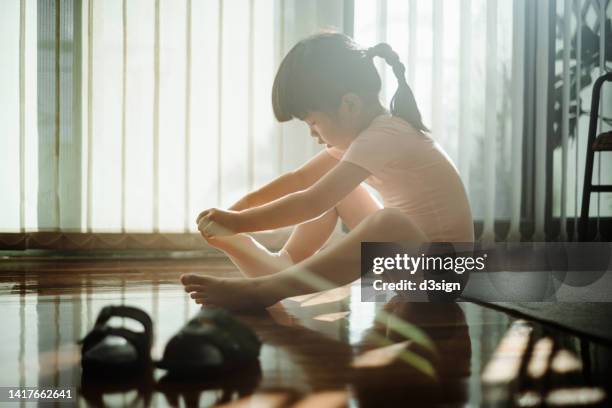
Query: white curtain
(174, 115)
(466, 62)
(137, 114)
(18, 117)
(459, 59)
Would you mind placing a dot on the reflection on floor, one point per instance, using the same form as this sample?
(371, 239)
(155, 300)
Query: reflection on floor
(320, 350)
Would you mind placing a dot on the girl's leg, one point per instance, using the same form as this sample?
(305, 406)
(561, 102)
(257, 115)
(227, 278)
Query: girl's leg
(253, 259)
(353, 209)
(335, 265)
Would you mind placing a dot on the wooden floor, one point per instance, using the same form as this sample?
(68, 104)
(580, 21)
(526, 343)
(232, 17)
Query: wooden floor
(320, 350)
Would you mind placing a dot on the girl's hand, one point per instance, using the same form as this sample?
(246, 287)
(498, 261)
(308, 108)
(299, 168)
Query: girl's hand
(215, 223)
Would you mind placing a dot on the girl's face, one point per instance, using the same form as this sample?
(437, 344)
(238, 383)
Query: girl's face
(326, 130)
(338, 131)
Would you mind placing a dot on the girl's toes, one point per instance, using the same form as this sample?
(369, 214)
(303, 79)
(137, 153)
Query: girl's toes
(186, 278)
(193, 279)
(194, 288)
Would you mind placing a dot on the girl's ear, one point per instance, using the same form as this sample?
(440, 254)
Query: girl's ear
(351, 105)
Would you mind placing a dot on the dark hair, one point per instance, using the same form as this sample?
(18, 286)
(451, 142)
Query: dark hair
(321, 69)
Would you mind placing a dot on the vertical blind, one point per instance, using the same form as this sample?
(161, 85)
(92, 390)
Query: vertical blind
(149, 110)
(458, 54)
(475, 73)
(131, 116)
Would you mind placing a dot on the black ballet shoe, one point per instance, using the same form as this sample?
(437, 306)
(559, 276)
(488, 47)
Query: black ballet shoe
(117, 352)
(211, 343)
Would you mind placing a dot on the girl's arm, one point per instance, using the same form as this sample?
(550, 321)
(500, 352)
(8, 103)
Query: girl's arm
(291, 209)
(288, 183)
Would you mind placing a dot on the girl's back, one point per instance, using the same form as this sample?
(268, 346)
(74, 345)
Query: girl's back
(412, 173)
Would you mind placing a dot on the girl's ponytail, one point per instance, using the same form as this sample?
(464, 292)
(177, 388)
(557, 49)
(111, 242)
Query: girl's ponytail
(403, 103)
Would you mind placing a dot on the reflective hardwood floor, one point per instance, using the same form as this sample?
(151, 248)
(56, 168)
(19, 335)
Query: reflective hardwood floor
(322, 350)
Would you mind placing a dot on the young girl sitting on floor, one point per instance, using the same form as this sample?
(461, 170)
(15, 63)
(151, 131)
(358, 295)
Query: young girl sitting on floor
(331, 84)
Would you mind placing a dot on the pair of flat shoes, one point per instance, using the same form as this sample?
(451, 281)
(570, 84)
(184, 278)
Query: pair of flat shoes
(210, 343)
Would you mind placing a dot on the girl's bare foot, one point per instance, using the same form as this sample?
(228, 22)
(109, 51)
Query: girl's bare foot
(230, 293)
(216, 242)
